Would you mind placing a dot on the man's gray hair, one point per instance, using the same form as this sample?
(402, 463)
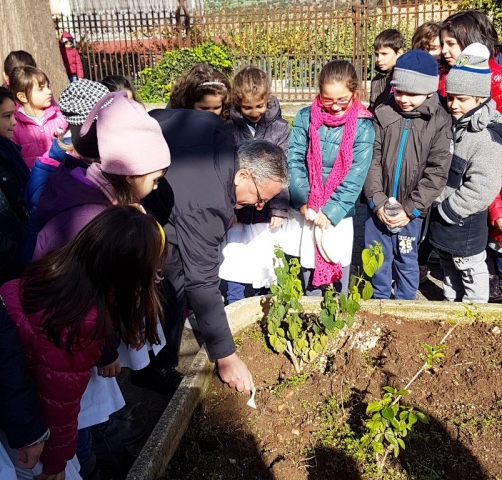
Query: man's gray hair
(265, 161)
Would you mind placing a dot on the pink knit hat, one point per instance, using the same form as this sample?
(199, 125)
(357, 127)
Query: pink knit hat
(130, 141)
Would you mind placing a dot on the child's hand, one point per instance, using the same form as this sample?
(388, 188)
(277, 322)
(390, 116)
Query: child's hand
(111, 370)
(308, 213)
(276, 222)
(498, 223)
(56, 476)
(28, 456)
(399, 220)
(382, 216)
(303, 211)
(321, 220)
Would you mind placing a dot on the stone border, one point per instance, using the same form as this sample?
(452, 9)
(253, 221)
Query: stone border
(165, 438)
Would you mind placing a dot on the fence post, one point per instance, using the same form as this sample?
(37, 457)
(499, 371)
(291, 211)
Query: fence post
(186, 26)
(358, 54)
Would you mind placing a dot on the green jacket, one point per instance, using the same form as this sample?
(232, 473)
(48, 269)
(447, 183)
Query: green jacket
(342, 202)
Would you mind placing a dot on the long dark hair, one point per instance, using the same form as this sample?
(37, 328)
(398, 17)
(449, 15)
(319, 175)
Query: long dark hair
(17, 58)
(111, 264)
(472, 26)
(201, 80)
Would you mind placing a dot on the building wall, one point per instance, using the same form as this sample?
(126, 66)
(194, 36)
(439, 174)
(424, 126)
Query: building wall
(66, 7)
(27, 25)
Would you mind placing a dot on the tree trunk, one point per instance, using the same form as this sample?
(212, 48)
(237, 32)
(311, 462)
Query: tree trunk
(27, 25)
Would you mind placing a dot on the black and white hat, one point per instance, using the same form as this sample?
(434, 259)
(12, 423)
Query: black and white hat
(78, 100)
(76, 103)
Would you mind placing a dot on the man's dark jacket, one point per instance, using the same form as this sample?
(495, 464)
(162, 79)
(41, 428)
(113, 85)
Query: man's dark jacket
(201, 176)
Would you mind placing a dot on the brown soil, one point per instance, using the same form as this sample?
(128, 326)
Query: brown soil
(311, 430)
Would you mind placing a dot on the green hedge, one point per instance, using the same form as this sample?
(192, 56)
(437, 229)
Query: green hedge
(157, 81)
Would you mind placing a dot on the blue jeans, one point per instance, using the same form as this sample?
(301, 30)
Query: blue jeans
(238, 291)
(400, 252)
(84, 445)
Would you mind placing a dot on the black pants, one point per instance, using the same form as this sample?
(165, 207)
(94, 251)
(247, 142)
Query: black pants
(173, 304)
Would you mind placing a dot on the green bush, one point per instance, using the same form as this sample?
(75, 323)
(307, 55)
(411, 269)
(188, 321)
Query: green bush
(157, 81)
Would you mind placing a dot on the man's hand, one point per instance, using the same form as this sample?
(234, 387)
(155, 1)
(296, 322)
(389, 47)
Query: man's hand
(111, 370)
(276, 222)
(498, 223)
(399, 220)
(56, 476)
(28, 456)
(233, 370)
(321, 220)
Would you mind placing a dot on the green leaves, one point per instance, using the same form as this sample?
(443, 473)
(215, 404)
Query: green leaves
(434, 354)
(308, 335)
(372, 258)
(158, 81)
(367, 290)
(327, 320)
(390, 423)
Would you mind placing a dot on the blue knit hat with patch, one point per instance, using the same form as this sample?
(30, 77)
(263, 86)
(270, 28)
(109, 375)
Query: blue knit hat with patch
(416, 72)
(471, 74)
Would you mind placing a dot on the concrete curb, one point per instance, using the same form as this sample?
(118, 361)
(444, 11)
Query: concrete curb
(165, 438)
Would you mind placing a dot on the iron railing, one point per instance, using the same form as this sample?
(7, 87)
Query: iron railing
(290, 41)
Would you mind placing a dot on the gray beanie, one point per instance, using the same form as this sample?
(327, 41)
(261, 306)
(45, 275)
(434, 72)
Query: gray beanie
(416, 72)
(471, 74)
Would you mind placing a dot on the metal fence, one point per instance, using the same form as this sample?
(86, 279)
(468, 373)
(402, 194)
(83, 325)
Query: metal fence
(290, 41)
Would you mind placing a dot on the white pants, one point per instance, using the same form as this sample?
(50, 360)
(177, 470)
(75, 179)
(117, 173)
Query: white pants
(466, 279)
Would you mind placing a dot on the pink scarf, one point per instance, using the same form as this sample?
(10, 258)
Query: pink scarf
(325, 272)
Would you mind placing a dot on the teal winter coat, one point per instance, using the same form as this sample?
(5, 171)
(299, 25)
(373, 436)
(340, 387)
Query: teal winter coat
(342, 202)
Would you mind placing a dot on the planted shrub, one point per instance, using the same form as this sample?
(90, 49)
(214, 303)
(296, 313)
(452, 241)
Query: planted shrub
(158, 81)
(304, 337)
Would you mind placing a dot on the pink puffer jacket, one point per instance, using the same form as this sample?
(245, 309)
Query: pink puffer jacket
(61, 378)
(35, 140)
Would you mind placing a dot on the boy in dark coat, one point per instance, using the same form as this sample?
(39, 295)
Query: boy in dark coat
(411, 158)
(388, 46)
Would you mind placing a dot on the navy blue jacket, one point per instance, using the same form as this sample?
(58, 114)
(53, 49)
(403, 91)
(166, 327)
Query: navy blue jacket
(20, 415)
(13, 218)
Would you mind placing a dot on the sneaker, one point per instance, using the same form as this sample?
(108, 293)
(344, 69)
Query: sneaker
(423, 273)
(89, 468)
(495, 293)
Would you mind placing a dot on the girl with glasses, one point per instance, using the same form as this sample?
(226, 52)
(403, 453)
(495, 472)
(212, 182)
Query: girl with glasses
(329, 155)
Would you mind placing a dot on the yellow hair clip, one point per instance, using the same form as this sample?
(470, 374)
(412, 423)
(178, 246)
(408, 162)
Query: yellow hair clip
(162, 237)
(139, 207)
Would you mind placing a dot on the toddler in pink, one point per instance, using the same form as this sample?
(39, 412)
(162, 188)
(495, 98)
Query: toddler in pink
(39, 120)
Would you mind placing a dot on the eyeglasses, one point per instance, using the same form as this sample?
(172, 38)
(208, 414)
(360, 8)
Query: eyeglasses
(260, 200)
(342, 102)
